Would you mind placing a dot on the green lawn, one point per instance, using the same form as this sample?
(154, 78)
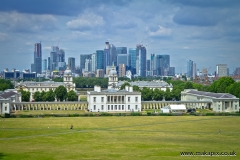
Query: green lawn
(130, 137)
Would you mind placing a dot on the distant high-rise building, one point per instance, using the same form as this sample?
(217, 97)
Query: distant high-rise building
(110, 54)
(71, 64)
(49, 64)
(121, 70)
(83, 57)
(88, 65)
(100, 73)
(153, 65)
(44, 64)
(166, 64)
(94, 62)
(141, 60)
(159, 65)
(171, 71)
(122, 59)
(190, 68)
(37, 67)
(194, 70)
(133, 57)
(121, 50)
(222, 70)
(99, 59)
(204, 71)
(237, 71)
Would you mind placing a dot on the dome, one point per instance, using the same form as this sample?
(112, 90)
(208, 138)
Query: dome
(67, 71)
(112, 72)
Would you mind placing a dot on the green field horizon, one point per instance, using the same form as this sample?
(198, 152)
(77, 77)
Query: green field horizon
(130, 137)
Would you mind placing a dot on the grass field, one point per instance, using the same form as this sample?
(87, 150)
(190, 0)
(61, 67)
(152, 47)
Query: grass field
(130, 137)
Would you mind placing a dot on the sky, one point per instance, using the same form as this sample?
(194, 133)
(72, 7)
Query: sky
(204, 31)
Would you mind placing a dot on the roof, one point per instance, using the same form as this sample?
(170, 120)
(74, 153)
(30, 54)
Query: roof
(210, 94)
(6, 95)
(113, 92)
(147, 84)
(181, 106)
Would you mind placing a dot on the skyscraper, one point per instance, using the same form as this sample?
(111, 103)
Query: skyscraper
(121, 50)
(44, 64)
(141, 60)
(37, 67)
(83, 57)
(71, 64)
(190, 68)
(222, 70)
(100, 59)
(94, 62)
(110, 55)
(133, 56)
(166, 65)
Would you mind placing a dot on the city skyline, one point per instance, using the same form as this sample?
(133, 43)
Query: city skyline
(207, 32)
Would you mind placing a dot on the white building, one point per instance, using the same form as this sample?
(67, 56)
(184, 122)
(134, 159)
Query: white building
(112, 100)
(6, 97)
(218, 102)
(161, 85)
(32, 87)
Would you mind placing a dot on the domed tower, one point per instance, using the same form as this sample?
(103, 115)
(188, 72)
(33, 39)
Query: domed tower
(112, 78)
(67, 78)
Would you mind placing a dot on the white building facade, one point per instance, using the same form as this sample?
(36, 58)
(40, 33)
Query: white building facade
(112, 100)
(32, 87)
(218, 102)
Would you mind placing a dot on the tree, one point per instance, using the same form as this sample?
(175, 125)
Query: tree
(5, 84)
(146, 94)
(61, 93)
(37, 96)
(188, 85)
(158, 94)
(168, 95)
(71, 96)
(220, 86)
(124, 84)
(136, 88)
(50, 96)
(25, 95)
(57, 79)
(43, 95)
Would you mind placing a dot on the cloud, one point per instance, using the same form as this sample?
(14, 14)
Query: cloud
(197, 17)
(186, 47)
(125, 25)
(86, 22)
(3, 36)
(160, 32)
(19, 22)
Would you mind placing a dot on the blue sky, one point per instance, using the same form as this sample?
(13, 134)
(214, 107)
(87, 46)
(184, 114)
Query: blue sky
(207, 32)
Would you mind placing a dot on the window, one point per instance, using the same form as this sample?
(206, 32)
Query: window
(94, 99)
(102, 98)
(102, 107)
(122, 107)
(128, 99)
(136, 99)
(115, 107)
(5, 108)
(136, 107)
(108, 99)
(111, 107)
(218, 107)
(128, 107)
(108, 107)
(235, 107)
(119, 107)
(94, 107)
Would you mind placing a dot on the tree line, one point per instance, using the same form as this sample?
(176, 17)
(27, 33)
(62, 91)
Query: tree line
(60, 93)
